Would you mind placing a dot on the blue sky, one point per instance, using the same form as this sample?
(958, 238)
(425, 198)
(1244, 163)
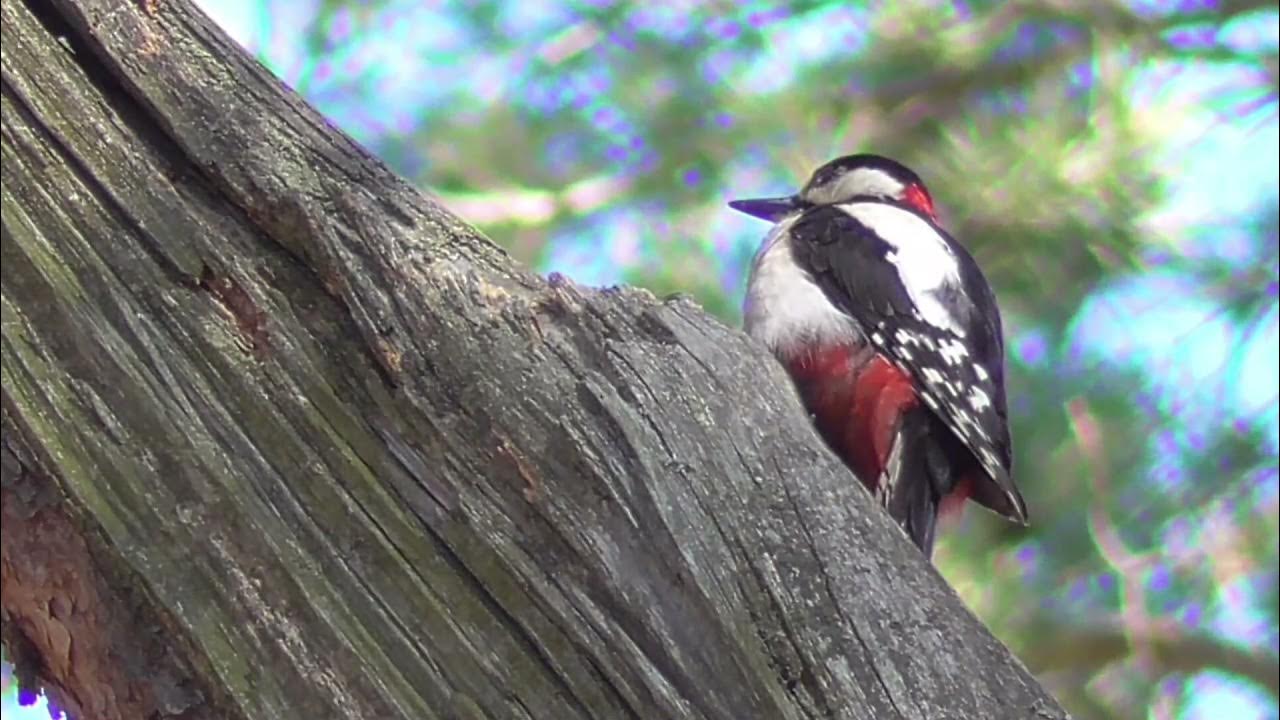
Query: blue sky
(1226, 169)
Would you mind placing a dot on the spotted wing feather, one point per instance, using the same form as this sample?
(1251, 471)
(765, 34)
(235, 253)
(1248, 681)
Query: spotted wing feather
(959, 369)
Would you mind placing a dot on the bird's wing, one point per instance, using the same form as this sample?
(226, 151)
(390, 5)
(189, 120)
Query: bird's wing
(923, 303)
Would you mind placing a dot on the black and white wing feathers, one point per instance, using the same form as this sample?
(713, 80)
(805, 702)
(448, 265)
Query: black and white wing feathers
(923, 302)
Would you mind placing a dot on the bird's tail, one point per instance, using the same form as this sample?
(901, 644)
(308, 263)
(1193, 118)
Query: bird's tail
(919, 481)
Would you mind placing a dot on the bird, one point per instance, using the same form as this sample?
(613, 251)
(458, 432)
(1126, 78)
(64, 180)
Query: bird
(892, 337)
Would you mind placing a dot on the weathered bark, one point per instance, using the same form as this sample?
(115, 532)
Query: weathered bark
(284, 439)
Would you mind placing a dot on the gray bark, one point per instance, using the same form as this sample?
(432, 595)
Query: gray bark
(285, 439)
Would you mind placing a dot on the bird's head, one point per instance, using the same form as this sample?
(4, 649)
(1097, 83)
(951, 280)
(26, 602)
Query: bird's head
(842, 180)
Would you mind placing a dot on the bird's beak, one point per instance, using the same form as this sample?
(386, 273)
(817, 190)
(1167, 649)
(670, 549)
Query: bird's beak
(771, 209)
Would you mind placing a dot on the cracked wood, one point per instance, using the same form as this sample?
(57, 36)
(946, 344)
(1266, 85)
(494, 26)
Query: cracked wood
(329, 453)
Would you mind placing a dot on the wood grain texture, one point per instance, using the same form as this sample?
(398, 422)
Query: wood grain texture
(327, 452)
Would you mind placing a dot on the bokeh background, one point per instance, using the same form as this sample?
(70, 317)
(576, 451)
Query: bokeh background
(1111, 163)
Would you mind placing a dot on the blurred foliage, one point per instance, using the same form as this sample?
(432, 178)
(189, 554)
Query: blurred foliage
(601, 139)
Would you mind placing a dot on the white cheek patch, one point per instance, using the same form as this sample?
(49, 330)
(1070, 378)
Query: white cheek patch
(861, 181)
(925, 263)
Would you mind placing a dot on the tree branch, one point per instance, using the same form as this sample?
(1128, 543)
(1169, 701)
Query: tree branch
(1168, 649)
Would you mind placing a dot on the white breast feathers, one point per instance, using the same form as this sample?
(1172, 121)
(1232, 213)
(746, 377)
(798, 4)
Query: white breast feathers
(785, 309)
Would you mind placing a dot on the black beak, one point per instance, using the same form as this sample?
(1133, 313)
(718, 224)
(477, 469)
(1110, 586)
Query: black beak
(771, 209)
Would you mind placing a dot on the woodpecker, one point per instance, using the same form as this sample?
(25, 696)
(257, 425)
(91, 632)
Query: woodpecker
(892, 337)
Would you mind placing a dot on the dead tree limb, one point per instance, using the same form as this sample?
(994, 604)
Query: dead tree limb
(284, 439)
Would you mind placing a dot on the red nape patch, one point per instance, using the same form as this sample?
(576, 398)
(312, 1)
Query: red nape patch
(917, 197)
(953, 504)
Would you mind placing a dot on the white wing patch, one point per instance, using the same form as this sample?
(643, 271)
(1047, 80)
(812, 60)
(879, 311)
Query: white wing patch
(784, 308)
(952, 350)
(931, 375)
(979, 399)
(925, 263)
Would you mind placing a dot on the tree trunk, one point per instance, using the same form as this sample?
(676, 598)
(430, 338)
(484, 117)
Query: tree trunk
(284, 439)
